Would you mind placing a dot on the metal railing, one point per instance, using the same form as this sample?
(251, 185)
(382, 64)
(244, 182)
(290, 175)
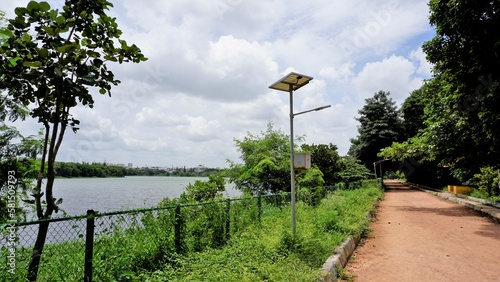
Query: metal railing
(107, 246)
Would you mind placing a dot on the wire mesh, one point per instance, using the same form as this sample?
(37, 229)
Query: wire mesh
(126, 241)
(64, 249)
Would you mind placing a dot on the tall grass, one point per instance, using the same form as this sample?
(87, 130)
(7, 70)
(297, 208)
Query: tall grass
(268, 251)
(145, 249)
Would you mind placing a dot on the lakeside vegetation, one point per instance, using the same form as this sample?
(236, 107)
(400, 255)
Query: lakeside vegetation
(84, 169)
(143, 246)
(267, 251)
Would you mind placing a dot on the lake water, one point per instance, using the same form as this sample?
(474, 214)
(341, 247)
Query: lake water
(104, 195)
(115, 194)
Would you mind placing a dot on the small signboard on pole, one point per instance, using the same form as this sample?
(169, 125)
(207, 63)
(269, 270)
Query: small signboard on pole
(301, 161)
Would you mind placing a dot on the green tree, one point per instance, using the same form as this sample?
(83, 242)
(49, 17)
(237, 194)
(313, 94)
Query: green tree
(18, 169)
(465, 53)
(202, 191)
(380, 125)
(53, 71)
(353, 170)
(326, 159)
(266, 162)
(18, 154)
(426, 137)
(461, 121)
(3, 23)
(412, 112)
(311, 186)
(466, 42)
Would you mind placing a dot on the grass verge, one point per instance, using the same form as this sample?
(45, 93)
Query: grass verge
(256, 251)
(268, 251)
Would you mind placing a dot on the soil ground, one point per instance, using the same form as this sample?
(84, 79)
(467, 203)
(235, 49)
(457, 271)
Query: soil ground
(420, 237)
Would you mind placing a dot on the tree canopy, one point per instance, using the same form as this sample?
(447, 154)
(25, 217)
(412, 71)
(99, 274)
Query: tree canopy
(266, 165)
(460, 117)
(466, 54)
(54, 69)
(327, 160)
(51, 61)
(266, 162)
(380, 126)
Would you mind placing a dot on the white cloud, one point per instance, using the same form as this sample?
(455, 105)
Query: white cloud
(395, 74)
(341, 74)
(210, 65)
(424, 67)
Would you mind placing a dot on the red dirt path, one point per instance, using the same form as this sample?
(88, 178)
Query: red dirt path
(420, 237)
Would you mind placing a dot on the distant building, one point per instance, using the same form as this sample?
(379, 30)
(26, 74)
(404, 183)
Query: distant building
(200, 168)
(129, 165)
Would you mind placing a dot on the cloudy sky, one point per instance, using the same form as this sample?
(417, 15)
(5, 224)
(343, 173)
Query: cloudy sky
(211, 63)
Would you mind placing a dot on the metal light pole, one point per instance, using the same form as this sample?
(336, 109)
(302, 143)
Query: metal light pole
(289, 83)
(381, 173)
(292, 170)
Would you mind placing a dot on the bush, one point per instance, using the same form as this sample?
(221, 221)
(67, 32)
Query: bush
(486, 181)
(311, 187)
(143, 246)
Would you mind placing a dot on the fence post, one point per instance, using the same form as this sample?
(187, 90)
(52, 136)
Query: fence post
(177, 229)
(228, 219)
(89, 245)
(259, 205)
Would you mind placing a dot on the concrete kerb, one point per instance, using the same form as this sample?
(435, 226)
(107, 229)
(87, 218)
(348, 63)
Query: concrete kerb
(341, 256)
(486, 210)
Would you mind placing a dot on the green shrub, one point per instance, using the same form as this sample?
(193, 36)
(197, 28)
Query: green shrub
(486, 182)
(311, 187)
(143, 247)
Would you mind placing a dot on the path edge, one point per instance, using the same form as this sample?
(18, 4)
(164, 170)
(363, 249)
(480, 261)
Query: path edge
(342, 254)
(489, 211)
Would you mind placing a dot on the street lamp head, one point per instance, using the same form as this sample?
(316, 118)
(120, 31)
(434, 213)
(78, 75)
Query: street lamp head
(291, 81)
(322, 108)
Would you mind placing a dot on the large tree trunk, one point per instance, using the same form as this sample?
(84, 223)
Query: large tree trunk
(37, 251)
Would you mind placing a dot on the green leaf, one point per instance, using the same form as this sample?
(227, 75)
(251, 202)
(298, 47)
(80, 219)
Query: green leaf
(65, 48)
(53, 15)
(20, 11)
(60, 20)
(49, 30)
(44, 53)
(59, 201)
(26, 37)
(44, 6)
(13, 61)
(36, 64)
(102, 91)
(57, 71)
(6, 33)
(33, 5)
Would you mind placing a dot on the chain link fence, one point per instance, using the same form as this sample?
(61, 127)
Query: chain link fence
(64, 249)
(110, 246)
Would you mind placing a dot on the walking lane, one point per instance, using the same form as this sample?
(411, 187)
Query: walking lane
(420, 237)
